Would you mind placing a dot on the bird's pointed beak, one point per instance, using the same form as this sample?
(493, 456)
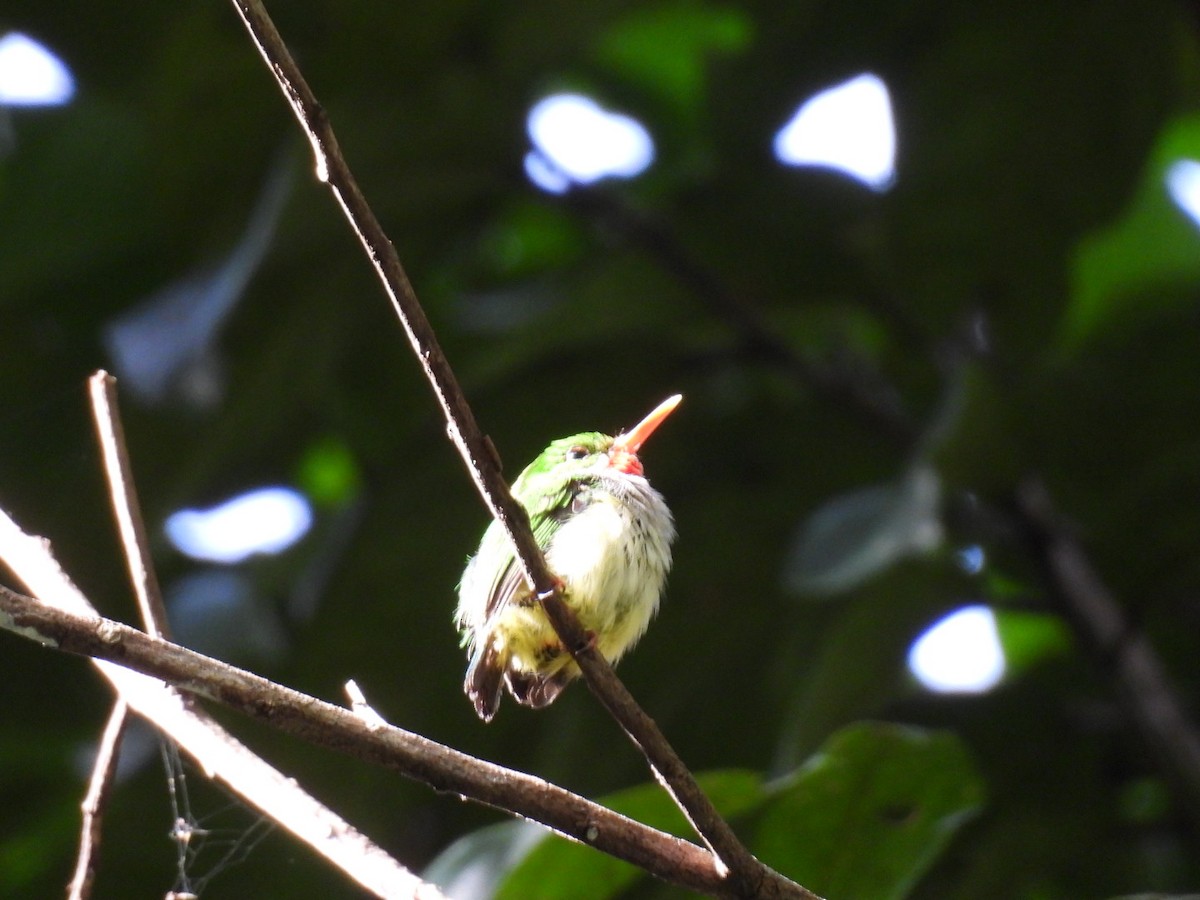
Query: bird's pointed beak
(631, 441)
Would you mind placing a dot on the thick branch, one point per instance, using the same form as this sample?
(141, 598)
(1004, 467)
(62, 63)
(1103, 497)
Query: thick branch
(478, 453)
(318, 722)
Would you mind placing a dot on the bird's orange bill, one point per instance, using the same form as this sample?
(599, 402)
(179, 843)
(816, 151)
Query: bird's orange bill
(632, 440)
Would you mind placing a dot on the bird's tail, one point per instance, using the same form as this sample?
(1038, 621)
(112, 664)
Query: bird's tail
(536, 690)
(484, 681)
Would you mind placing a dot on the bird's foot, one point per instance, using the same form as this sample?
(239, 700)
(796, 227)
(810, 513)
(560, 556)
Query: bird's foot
(560, 588)
(588, 643)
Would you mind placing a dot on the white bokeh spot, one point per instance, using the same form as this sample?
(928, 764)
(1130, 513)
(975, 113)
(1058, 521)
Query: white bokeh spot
(30, 75)
(971, 559)
(545, 174)
(267, 520)
(848, 127)
(1183, 184)
(960, 653)
(578, 141)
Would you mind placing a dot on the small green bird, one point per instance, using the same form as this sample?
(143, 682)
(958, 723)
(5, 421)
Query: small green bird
(606, 534)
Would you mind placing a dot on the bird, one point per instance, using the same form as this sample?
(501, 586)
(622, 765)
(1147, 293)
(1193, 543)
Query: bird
(607, 536)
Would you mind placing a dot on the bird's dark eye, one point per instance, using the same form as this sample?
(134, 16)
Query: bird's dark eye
(577, 452)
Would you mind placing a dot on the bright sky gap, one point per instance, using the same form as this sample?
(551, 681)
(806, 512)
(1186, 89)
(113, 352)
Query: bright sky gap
(960, 653)
(576, 141)
(31, 75)
(971, 559)
(266, 520)
(847, 127)
(1183, 184)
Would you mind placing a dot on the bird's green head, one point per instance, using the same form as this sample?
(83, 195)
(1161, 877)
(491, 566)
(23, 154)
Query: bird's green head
(592, 453)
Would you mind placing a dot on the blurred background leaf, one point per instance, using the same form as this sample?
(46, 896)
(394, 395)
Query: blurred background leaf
(871, 811)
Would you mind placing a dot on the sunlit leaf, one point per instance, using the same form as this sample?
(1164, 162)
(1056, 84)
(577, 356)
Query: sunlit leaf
(1121, 271)
(1029, 637)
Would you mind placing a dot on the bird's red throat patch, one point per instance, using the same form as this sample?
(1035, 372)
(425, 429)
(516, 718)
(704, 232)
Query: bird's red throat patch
(624, 461)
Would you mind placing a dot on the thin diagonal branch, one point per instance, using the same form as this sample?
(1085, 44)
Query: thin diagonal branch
(443, 768)
(95, 801)
(746, 874)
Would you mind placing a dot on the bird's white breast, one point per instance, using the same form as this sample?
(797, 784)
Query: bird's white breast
(614, 556)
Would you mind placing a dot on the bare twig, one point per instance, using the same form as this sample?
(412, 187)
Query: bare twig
(371, 867)
(221, 756)
(745, 872)
(335, 727)
(360, 707)
(94, 803)
(102, 388)
(1142, 683)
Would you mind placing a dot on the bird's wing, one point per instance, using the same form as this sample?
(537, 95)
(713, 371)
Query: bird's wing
(508, 581)
(545, 517)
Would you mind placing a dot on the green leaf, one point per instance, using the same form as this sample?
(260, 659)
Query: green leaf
(36, 848)
(858, 667)
(1121, 271)
(666, 48)
(557, 868)
(871, 811)
(1029, 637)
(329, 473)
(529, 238)
(478, 860)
